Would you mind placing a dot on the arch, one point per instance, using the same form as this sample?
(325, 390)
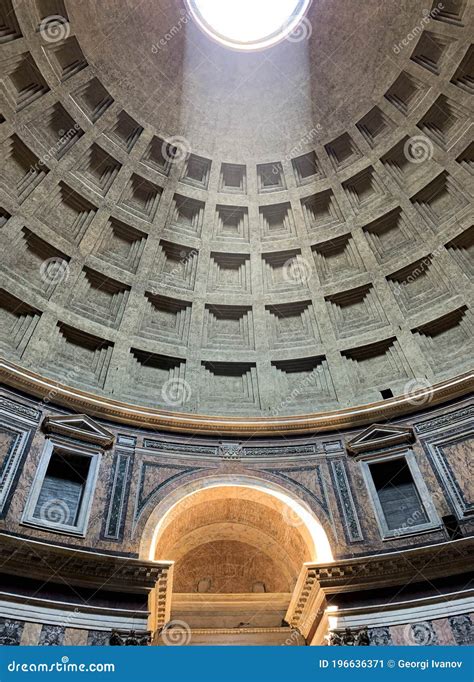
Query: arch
(296, 512)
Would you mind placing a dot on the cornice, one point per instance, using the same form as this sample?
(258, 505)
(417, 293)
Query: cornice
(393, 568)
(124, 413)
(41, 560)
(317, 581)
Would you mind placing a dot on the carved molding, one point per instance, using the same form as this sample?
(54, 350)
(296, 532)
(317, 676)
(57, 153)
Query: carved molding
(80, 427)
(12, 459)
(448, 477)
(113, 410)
(19, 410)
(380, 437)
(40, 560)
(445, 420)
(119, 489)
(129, 638)
(232, 451)
(316, 581)
(349, 637)
(346, 503)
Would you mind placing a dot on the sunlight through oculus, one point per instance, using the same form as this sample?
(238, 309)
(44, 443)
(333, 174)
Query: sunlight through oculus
(248, 24)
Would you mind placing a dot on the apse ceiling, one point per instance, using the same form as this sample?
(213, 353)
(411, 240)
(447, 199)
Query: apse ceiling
(199, 229)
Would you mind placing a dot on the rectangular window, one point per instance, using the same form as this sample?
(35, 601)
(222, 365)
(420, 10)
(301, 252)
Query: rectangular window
(62, 491)
(63, 488)
(398, 495)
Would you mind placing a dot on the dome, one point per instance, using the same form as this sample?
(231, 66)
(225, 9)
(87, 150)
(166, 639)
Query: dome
(236, 325)
(269, 232)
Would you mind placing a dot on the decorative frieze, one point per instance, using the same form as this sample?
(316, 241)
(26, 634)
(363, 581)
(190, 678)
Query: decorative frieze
(349, 637)
(118, 496)
(451, 456)
(345, 500)
(445, 420)
(80, 427)
(30, 558)
(14, 441)
(463, 629)
(231, 451)
(380, 437)
(51, 635)
(19, 410)
(10, 632)
(181, 448)
(129, 638)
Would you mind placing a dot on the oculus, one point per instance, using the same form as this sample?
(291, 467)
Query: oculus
(248, 24)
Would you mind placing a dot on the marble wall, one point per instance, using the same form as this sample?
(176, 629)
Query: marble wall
(142, 468)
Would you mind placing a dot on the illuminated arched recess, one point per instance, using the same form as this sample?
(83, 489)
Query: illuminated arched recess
(234, 535)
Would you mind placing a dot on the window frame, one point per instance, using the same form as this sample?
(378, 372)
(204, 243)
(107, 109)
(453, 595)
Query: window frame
(51, 447)
(434, 521)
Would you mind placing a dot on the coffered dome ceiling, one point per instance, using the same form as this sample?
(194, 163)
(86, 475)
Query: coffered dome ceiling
(198, 229)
